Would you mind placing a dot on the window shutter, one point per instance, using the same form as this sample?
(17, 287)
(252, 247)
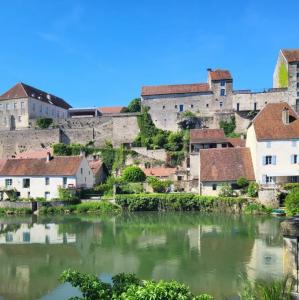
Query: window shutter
(274, 159)
(292, 158)
(264, 179)
(264, 160)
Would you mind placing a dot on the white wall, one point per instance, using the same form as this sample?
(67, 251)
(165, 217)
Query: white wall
(84, 175)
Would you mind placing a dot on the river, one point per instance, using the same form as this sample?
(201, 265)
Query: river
(210, 253)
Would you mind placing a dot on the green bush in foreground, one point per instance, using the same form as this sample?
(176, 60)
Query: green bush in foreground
(129, 287)
(15, 211)
(133, 174)
(292, 202)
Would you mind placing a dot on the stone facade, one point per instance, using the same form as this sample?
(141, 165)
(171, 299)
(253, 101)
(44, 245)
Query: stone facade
(221, 100)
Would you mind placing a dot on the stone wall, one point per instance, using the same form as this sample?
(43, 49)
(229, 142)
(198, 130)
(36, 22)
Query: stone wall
(159, 154)
(18, 204)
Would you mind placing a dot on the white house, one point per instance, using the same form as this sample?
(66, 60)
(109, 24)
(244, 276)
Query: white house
(42, 177)
(273, 139)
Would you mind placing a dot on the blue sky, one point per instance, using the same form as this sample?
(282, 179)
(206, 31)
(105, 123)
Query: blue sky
(97, 53)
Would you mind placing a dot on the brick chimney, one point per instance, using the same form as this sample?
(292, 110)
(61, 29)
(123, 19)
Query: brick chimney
(285, 116)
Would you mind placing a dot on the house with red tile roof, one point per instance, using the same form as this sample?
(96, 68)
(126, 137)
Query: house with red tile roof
(23, 103)
(220, 166)
(42, 177)
(161, 172)
(273, 139)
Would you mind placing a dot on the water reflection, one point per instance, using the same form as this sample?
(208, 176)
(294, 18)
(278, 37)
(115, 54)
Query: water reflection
(207, 252)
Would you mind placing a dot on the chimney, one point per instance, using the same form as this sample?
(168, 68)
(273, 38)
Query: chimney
(209, 69)
(285, 116)
(48, 156)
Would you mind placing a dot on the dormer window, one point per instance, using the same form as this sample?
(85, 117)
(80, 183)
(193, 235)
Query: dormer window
(222, 83)
(285, 116)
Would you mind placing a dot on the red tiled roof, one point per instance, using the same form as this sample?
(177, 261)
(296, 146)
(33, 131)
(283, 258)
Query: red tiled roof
(201, 135)
(237, 142)
(95, 165)
(35, 153)
(111, 109)
(291, 55)
(225, 164)
(2, 163)
(57, 166)
(174, 89)
(22, 90)
(159, 172)
(268, 124)
(220, 75)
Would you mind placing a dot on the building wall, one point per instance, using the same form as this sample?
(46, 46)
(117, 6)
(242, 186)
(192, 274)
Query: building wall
(194, 165)
(84, 175)
(251, 143)
(206, 188)
(16, 109)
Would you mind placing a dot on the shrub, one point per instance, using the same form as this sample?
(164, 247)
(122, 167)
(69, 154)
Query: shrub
(134, 105)
(226, 191)
(44, 123)
(257, 208)
(292, 202)
(66, 195)
(159, 186)
(228, 126)
(291, 186)
(242, 182)
(253, 189)
(175, 141)
(133, 174)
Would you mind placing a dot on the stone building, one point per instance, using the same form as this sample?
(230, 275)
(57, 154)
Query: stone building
(22, 103)
(216, 99)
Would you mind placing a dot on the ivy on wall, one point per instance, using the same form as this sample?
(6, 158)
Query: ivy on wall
(283, 76)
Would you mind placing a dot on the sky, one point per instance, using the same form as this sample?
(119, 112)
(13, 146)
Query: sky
(100, 53)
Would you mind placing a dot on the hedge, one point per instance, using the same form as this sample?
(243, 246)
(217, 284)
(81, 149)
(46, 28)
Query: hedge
(179, 202)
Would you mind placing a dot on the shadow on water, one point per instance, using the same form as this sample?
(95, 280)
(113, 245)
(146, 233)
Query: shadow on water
(207, 252)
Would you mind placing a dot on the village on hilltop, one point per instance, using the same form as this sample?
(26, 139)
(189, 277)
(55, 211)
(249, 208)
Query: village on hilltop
(202, 138)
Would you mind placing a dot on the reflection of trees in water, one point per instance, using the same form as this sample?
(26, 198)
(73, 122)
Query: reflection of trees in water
(199, 250)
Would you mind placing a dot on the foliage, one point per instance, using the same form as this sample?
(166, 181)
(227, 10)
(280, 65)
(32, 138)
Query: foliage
(130, 188)
(253, 189)
(99, 207)
(44, 123)
(283, 76)
(175, 158)
(291, 185)
(128, 287)
(67, 195)
(159, 140)
(73, 149)
(107, 154)
(226, 191)
(119, 158)
(292, 202)
(134, 106)
(257, 209)
(133, 174)
(228, 126)
(178, 202)
(188, 113)
(15, 211)
(159, 186)
(242, 182)
(267, 290)
(175, 141)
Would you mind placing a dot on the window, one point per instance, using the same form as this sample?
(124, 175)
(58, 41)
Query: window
(269, 160)
(222, 83)
(222, 92)
(175, 106)
(214, 187)
(221, 104)
(207, 105)
(81, 170)
(22, 105)
(47, 181)
(26, 182)
(294, 159)
(8, 182)
(293, 179)
(238, 106)
(15, 106)
(255, 106)
(191, 105)
(64, 179)
(33, 106)
(268, 144)
(26, 237)
(180, 178)
(294, 143)
(297, 85)
(297, 94)
(181, 108)
(7, 106)
(297, 75)
(47, 195)
(267, 179)
(163, 107)
(41, 108)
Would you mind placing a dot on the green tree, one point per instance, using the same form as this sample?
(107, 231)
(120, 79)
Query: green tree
(44, 123)
(253, 189)
(226, 191)
(292, 202)
(133, 174)
(134, 105)
(228, 126)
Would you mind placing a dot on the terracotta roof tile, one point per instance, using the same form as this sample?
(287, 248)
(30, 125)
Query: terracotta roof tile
(268, 124)
(159, 172)
(35, 153)
(174, 89)
(237, 142)
(2, 163)
(291, 55)
(220, 75)
(57, 166)
(225, 164)
(202, 135)
(111, 109)
(22, 90)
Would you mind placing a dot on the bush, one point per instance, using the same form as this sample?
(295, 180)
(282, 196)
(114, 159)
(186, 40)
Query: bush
(134, 105)
(253, 189)
(292, 202)
(44, 123)
(133, 174)
(159, 186)
(67, 195)
(228, 126)
(128, 286)
(242, 182)
(291, 186)
(257, 208)
(226, 191)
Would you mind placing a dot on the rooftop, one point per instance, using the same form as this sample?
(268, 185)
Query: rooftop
(291, 55)
(159, 172)
(57, 166)
(111, 109)
(225, 164)
(219, 74)
(22, 90)
(174, 89)
(201, 135)
(268, 123)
